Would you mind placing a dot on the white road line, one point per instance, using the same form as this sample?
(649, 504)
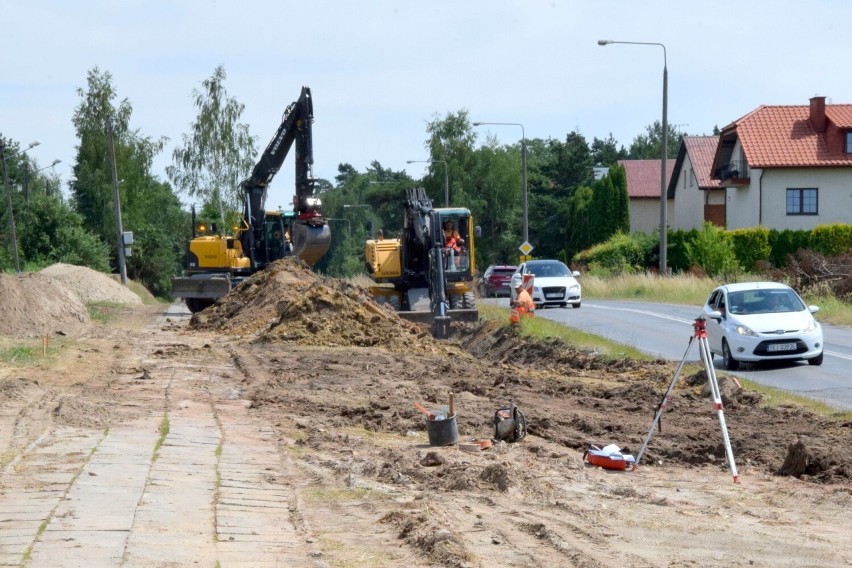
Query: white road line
(839, 355)
(643, 312)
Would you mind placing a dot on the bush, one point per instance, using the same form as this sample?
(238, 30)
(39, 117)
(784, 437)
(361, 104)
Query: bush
(785, 244)
(618, 254)
(713, 251)
(831, 240)
(751, 246)
(677, 256)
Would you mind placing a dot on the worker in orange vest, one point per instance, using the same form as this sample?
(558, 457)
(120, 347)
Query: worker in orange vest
(523, 304)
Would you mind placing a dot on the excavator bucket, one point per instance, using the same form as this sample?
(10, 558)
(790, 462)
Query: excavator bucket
(203, 287)
(310, 242)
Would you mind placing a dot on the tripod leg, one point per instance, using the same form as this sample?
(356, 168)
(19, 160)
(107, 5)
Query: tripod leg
(663, 403)
(707, 357)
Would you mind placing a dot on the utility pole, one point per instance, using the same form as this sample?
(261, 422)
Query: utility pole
(10, 213)
(122, 267)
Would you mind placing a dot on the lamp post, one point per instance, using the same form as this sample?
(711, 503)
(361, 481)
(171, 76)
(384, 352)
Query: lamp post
(27, 182)
(12, 236)
(523, 172)
(663, 176)
(361, 205)
(446, 176)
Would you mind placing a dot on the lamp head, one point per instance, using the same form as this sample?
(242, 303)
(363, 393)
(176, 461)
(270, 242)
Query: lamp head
(476, 123)
(33, 144)
(604, 41)
(55, 162)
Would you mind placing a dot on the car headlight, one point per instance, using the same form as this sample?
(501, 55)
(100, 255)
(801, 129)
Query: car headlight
(811, 326)
(743, 330)
(536, 290)
(575, 288)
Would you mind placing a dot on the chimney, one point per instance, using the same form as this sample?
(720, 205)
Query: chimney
(818, 114)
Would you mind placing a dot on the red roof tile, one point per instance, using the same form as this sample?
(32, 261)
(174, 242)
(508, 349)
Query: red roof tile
(643, 177)
(702, 150)
(783, 136)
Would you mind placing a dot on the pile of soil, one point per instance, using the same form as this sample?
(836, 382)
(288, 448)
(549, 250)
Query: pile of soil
(90, 285)
(34, 304)
(290, 303)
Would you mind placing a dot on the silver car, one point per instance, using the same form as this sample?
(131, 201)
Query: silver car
(761, 321)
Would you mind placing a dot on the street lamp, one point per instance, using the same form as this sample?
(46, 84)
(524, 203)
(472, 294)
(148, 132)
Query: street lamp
(663, 176)
(27, 182)
(446, 176)
(12, 235)
(523, 171)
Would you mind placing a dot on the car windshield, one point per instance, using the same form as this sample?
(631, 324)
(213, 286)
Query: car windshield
(503, 272)
(549, 269)
(750, 302)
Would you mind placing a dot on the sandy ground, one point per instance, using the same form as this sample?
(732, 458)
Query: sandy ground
(281, 422)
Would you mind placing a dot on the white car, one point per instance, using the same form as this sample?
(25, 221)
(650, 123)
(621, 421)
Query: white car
(761, 321)
(553, 285)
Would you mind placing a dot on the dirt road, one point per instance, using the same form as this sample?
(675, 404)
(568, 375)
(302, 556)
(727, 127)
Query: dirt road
(290, 442)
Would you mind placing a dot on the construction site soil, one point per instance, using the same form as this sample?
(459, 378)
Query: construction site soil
(335, 377)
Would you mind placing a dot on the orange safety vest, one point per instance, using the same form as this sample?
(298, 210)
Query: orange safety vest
(525, 307)
(450, 240)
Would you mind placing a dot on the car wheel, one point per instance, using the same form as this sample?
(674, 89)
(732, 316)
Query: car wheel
(576, 306)
(730, 363)
(816, 361)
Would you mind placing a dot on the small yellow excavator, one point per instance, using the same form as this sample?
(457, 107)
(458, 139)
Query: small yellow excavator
(216, 263)
(424, 280)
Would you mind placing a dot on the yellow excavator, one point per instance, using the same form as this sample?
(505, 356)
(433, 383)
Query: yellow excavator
(422, 278)
(216, 263)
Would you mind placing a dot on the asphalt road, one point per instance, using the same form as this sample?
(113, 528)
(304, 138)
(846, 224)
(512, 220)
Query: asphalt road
(664, 330)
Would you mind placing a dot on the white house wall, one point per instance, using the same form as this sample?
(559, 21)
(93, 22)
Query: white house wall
(645, 215)
(688, 206)
(764, 202)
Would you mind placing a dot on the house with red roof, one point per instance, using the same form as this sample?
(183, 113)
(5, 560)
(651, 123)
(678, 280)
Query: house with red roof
(695, 195)
(787, 167)
(643, 191)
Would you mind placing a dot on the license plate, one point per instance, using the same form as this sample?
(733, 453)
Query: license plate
(556, 296)
(781, 347)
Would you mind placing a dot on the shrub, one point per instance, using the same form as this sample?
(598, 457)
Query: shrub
(618, 254)
(831, 240)
(785, 244)
(751, 246)
(713, 251)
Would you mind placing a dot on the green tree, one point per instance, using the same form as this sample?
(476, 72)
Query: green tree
(218, 153)
(149, 207)
(713, 251)
(606, 152)
(49, 231)
(648, 146)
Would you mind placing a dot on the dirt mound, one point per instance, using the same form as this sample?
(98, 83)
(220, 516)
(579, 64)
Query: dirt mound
(287, 302)
(34, 304)
(91, 285)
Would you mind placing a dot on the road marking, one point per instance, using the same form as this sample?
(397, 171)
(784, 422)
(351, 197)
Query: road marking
(643, 312)
(839, 355)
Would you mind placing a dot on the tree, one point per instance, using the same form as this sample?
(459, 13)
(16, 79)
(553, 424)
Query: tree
(606, 152)
(218, 153)
(649, 146)
(149, 207)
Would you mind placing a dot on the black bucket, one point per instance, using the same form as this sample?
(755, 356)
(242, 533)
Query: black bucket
(443, 432)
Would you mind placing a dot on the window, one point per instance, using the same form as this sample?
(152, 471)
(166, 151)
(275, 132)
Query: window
(691, 177)
(848, 145)
(802, 201)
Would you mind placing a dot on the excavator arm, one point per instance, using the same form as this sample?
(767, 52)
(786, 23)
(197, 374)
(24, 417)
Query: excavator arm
(309, 231)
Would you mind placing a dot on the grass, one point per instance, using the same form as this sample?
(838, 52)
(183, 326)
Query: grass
(692, 290)
(103, 312)
(164, 431)
(543, 329)
(17, 353)
(777, 397)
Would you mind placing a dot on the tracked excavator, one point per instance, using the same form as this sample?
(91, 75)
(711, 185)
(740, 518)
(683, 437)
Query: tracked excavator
(217, 263)
(422, 278)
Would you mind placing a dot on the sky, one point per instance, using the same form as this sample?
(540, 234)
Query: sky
(381, 70)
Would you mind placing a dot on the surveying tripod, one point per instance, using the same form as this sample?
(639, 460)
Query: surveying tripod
(699, 327)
